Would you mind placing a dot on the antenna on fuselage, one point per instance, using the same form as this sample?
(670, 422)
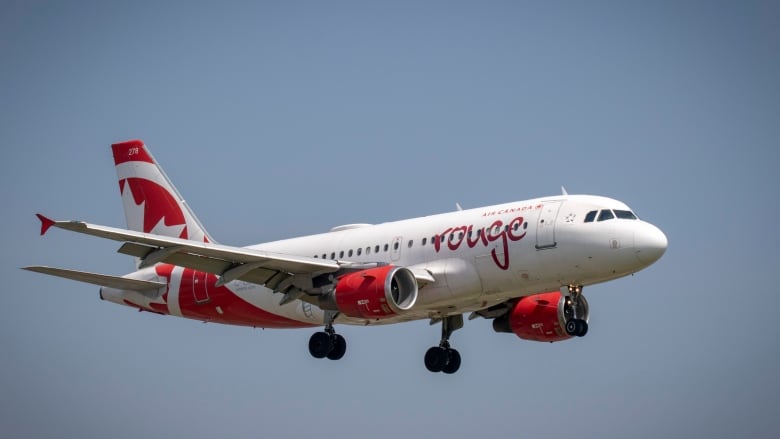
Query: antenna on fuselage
(563, 191)
(457, 206)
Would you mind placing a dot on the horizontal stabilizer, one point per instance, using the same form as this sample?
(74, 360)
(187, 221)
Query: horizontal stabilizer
(104, 280)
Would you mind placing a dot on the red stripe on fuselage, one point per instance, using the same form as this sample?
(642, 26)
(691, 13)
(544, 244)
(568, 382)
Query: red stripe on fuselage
(200, 299)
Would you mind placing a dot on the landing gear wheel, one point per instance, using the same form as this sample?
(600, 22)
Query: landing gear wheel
(327, 343)
(577, 327)
(321, 344)
(583, 328)
(453, 361)
(443, 358)
(572, 327)
(436, 359)
(339, 347)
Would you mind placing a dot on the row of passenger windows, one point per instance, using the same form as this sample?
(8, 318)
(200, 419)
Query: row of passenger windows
(385, 248)
(608, 214)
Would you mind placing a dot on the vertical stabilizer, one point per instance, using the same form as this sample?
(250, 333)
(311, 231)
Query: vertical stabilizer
(151, 202)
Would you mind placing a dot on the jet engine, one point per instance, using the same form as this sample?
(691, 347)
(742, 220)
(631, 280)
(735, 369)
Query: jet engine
(545, 317)
(375, 293)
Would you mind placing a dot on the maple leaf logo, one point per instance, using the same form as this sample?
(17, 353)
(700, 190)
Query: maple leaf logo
(150, 208)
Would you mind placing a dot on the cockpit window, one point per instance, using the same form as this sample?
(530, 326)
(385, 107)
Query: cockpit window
(625, 214)
(606, 214)
(591, 216)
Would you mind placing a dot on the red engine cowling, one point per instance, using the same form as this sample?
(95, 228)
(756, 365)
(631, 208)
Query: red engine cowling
(540, 317)
(375, 293)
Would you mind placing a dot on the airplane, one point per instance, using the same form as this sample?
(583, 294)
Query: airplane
(523, 265)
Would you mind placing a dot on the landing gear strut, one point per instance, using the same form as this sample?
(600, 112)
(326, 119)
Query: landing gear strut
(327, 343)
(575, 311)
(443, 358)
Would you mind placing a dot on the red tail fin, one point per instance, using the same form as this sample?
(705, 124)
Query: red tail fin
(151, 202)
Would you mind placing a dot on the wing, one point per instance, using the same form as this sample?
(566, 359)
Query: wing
(276, 271)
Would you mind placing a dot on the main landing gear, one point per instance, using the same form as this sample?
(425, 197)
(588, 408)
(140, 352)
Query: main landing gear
(327, 344)
(443, 358)
(576, 312)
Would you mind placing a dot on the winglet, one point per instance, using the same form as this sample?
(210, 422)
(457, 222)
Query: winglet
(46, 223)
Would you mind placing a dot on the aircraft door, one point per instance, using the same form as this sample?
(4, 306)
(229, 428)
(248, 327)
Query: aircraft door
(395, 248)
(200, 287)
(545, 226)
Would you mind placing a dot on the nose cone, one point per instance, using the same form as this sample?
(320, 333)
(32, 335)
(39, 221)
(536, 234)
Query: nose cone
(650, 243)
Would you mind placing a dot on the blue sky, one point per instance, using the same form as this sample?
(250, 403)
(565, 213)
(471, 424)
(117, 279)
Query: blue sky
(287, 118)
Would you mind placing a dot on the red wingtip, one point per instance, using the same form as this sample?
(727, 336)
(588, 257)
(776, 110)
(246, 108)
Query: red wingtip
(45, 223)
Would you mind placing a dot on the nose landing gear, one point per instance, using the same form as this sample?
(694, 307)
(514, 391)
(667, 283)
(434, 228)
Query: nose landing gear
(576, 312)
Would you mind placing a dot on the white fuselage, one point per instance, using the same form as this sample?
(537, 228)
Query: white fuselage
(484, 256)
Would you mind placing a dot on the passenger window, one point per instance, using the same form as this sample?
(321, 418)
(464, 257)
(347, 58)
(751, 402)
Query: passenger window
(350, 253)
(625, 214)
(341, 254)
(591, 216)
(386, 247)
(411, 242)
(606, 214)
(359, 251)
(368, 250)
(424, 240)
(395, 245)
(324, 256)
(376, 249)
(333, 255)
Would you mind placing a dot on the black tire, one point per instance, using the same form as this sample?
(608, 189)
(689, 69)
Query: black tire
(453, 361)
(436, 359)
(583, 329)
(572, 327)
(339, 347)
(320, 345)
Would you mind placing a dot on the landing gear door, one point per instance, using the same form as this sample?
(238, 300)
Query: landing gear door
(545, 226)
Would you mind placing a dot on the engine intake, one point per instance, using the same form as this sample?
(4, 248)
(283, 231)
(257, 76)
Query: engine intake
(540, 317)
(375, 293)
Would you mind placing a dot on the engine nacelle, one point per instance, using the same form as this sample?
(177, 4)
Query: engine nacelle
(375, 293)
(540, 317)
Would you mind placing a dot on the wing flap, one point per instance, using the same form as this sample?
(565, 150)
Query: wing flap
(259, 275)
(103, 280)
